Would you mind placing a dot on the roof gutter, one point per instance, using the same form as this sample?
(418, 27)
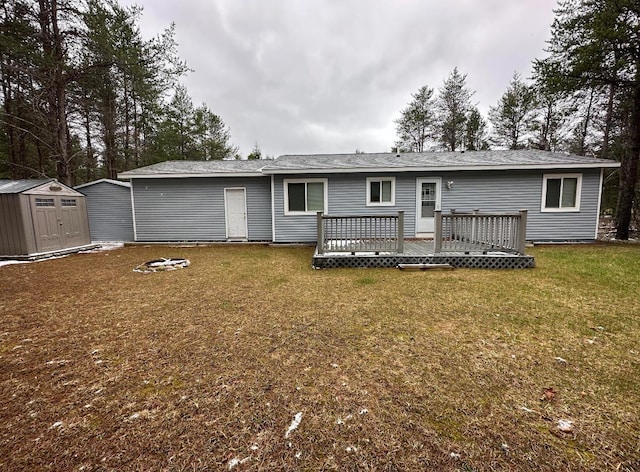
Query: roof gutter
(351, 170)
(131, 175)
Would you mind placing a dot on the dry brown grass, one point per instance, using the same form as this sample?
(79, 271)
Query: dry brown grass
(102, 368)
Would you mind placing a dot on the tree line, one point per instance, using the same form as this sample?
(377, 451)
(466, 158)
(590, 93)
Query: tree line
(583, 98)
(84, 96)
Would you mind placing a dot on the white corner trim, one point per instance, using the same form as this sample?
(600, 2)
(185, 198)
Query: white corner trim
(600, 190)
(133, 213)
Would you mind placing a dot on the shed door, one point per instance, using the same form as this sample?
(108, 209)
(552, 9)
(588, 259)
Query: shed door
(235, 206)
(70, 222)
(46, 224)
(427, 201)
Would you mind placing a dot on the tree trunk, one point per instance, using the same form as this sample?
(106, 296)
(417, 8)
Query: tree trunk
(54, 62)
(607, 122)
(629, 171)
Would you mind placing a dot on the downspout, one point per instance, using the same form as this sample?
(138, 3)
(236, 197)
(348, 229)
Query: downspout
(273, 211)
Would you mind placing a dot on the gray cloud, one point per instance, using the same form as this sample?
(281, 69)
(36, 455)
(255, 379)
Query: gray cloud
(319, 76)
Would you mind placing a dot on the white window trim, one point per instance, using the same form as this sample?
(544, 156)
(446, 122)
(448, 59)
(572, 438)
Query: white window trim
(285, 188)
(543, 202)
(381, 179)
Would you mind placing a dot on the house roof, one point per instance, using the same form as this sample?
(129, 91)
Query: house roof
(432, 161)
(180, 169)
(373, 162)
(19, 186)
(107, 181)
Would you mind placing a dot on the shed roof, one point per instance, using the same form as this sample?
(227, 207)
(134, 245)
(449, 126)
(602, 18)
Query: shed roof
(177, 169)
(432, 161)
(19, 186)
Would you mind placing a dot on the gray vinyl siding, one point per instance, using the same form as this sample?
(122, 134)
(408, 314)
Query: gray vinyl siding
(507, 191)
(109, 208)
(192, 209)
(495, 191)
(347, 196)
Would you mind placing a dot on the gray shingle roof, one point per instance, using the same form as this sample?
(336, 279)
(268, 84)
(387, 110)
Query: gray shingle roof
(389, 162)
(433, 160)
(182, 168)
(18, 186)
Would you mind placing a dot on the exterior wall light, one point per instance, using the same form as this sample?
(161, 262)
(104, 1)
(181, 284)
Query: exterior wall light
(449, 184)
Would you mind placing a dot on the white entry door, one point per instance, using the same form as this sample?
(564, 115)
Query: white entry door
(235, 207)
(427, 201)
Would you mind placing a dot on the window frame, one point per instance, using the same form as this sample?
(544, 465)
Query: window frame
(561, 209)
(285, 187)
(370, 180)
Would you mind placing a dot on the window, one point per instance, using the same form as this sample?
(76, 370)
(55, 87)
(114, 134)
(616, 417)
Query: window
(381, 191)
(305, 196)
(561, 192)
(68, 202)
(44, 202)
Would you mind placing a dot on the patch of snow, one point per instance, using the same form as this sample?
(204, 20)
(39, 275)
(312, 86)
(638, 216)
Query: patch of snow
(298, 455)
(254, 447)
(57, 424)
(455, 455)
(294, 424)
(108, 246)
(334, 365)
(60, 362)
(235, 461)
(566, 426)
(351, 449)
(12, 262)
(527, 410)
(561, 360)
(364, 411)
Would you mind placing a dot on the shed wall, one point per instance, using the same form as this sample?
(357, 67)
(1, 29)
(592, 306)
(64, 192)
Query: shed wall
(192, 209)
(109, 209)
(13, 238)
(499, 191)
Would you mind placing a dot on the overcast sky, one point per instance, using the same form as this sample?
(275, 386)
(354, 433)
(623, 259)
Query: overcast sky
(326, 76)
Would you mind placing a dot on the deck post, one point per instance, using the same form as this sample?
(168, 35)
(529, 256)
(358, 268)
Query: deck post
(400, 244)
(319, 234)
(522, 232)
(437, 227)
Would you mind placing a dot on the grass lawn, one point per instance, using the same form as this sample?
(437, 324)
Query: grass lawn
(205, 368)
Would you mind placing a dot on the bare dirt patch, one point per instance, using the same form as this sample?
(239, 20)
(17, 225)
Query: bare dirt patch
(210, 367)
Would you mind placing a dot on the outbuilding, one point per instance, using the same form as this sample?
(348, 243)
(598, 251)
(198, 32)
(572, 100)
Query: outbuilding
(39, 217)
(109, 210)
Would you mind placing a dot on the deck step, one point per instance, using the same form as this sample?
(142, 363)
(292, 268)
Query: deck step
(425, 266)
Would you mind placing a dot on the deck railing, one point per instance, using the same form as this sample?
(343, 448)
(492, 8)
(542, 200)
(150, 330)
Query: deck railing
(465, 232)
(379, 233)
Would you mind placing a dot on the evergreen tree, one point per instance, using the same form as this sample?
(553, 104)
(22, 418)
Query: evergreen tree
(594, 44)
(475, 137)
(512, 118)
(453, 105)
(256, 153)
(416, 125)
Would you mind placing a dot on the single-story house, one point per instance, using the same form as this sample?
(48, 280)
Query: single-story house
(40, 217)
(109, 209)
(277, 200)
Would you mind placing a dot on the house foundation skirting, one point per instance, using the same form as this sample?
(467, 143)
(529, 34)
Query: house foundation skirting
(484, 261)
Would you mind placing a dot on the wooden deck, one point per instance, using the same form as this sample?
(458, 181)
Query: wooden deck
(422, 251)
